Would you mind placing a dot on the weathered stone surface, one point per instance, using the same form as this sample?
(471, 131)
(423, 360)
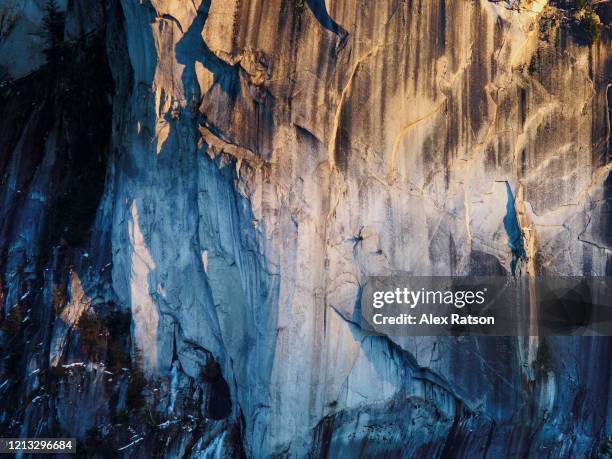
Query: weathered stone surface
(261, 159)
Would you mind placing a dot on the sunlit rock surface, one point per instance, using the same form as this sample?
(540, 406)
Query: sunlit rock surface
(193, 193)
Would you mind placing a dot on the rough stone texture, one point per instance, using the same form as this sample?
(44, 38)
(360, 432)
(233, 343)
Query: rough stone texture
(225, 174)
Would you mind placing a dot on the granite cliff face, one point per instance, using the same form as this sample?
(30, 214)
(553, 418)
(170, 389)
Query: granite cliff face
(193, 193)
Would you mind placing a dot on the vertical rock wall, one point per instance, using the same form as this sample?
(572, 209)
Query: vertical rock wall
(248, 165)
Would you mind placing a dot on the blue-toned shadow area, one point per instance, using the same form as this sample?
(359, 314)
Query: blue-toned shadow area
(319, 10)
(513, 230)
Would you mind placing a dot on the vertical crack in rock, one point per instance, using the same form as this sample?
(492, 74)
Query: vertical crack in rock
(514, 232)
(336, 158)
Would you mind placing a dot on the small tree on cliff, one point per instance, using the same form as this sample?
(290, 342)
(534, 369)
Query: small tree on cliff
(588, 23)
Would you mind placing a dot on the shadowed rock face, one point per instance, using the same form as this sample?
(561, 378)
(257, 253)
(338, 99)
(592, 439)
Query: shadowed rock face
(194, 193)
